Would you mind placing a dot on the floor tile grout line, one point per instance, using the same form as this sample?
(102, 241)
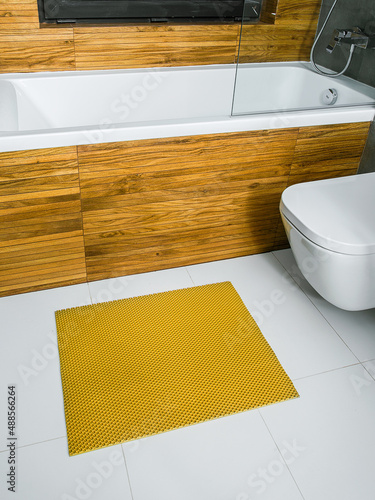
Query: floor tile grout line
(281, 455)
(187, 270)
(36, 443)
(127, 472)
(354, 364)
(90, 295)
(319, 311)
(326, 371)
(368, 371)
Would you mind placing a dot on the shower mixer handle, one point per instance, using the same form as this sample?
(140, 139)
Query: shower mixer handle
(355, 36)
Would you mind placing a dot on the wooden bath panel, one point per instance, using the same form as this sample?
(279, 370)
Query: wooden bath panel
(328, 151)
(323, 153)
(157, 204)
(41, 238)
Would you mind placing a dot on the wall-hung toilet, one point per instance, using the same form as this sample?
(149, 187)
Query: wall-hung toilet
(330, 226)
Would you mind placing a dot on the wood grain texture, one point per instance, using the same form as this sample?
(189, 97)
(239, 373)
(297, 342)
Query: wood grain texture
(323, 153)
(155, 46)
(269, 11)
(25, 47)
(289, 39)
(157, 204)
(328, 151)
(26, 51)
(41, 237)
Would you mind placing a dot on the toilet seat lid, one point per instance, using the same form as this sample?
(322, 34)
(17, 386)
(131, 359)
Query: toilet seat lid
(336, 214)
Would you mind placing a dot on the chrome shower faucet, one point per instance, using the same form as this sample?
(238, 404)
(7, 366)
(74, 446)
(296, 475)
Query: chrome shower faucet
(355, 36)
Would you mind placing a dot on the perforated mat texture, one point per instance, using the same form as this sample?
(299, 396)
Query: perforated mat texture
(140, 366)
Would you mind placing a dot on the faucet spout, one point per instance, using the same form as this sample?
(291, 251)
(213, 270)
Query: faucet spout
(355, 36)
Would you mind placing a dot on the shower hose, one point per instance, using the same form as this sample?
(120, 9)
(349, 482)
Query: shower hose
(352, 47)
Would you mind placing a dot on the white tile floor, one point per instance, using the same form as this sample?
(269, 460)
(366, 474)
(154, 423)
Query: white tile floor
(317, 447)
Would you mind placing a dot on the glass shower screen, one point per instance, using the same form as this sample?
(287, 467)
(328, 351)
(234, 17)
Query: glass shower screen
(274, 73)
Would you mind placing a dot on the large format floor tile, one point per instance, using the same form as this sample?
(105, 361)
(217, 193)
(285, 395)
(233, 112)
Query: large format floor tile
(356, 328)
(45, 472)
(332, 423)
(302, 339)
(370, 367)
(29, 359)
(218, 460)
(317, 447)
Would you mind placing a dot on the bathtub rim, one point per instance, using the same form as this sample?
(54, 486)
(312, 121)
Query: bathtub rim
(51, 138)
(157, 129)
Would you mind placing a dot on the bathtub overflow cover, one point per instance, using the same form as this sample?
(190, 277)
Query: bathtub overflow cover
(330, 96)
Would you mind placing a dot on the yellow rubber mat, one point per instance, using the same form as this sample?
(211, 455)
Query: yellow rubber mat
(140, 366)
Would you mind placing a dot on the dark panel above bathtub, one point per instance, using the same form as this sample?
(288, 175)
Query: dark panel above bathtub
(141, 11)
(347, 14)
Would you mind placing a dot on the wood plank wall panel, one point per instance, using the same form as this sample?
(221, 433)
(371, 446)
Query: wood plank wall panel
(155, 46)
(41, 237)
(323, 153)
(157, 204)
(24, 47)
(289, 39)
(328, 151)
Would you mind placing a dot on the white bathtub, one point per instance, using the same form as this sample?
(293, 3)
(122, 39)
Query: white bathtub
(72, 108)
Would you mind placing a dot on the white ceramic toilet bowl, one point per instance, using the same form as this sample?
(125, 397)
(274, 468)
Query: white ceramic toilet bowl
(330, 226)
